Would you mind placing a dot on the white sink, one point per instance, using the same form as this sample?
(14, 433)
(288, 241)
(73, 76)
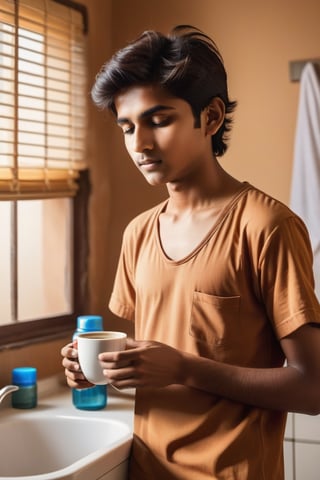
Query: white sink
(70, 447)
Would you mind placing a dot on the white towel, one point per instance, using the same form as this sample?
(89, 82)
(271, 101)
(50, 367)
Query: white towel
(305, 189)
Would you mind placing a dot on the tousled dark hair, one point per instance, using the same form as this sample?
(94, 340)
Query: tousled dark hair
(186, 63)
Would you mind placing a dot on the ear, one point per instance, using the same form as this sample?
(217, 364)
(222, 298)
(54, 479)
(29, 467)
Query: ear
(214, 115)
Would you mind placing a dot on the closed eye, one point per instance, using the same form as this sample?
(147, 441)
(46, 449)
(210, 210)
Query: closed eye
(153, 122)
(160, 121)
(127, 128)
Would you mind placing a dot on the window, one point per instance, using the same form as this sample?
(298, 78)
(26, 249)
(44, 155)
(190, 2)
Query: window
(43, 177)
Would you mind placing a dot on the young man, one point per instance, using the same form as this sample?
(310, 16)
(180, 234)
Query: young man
(217, 279)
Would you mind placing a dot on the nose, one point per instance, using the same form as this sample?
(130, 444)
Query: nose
(142, 139)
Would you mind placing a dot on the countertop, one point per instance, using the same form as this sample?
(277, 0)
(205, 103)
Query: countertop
(55, 396)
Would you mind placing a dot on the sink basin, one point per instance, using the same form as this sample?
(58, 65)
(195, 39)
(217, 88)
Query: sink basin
(65, 447)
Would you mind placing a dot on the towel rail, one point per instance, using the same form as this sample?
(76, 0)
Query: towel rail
(296, 67)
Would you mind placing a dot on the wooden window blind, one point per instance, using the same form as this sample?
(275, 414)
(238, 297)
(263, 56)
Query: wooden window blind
(43, 99)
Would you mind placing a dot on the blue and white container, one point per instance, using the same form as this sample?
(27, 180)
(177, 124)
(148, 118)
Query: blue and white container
(93, 398)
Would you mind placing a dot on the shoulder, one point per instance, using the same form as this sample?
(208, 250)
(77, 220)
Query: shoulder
(144, 222)
(260, 210)
(264, 220)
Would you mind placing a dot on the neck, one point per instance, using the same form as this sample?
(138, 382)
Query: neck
(211, 192)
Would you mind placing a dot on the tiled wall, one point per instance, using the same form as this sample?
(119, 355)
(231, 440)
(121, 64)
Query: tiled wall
(302, 447)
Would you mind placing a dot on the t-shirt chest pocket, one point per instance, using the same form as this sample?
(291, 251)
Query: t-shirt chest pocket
(215, 320)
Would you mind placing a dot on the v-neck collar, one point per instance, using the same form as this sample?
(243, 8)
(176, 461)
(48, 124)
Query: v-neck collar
(246, 186)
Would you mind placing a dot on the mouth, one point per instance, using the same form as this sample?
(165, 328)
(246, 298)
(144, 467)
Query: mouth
(149, 163)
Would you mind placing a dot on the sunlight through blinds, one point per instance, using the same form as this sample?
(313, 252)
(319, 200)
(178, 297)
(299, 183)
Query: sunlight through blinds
(43, 101)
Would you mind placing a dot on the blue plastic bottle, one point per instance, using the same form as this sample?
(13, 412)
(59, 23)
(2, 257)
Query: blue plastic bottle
(26, 379)
(93, 398)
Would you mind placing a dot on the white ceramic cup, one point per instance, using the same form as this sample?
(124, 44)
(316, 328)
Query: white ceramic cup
(90, 345)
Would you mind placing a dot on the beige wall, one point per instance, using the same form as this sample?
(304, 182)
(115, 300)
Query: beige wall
(257, 40)
(44, 356)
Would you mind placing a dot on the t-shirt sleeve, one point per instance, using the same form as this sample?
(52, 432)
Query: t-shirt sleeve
(122, 300)
(286, 277)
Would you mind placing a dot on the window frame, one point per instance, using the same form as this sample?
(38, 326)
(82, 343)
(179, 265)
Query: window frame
(20, 333)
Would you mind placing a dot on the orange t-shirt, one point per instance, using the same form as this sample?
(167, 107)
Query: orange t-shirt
(248, 284)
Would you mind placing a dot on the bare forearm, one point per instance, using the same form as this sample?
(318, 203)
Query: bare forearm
(293, 388)
(273, 388)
